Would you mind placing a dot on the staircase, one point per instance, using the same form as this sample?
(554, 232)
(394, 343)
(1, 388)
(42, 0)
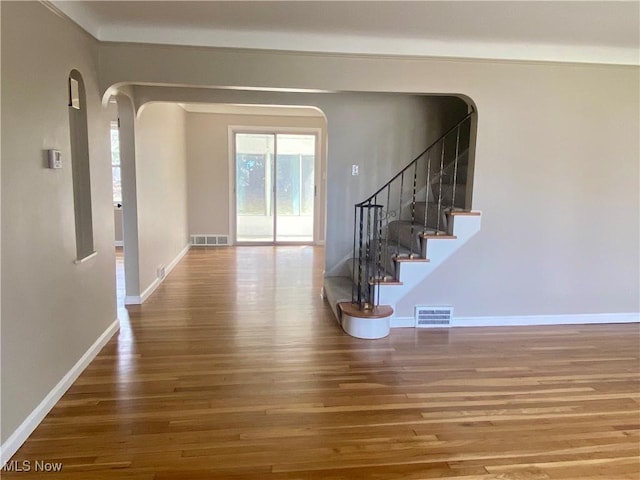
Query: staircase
(403, 232)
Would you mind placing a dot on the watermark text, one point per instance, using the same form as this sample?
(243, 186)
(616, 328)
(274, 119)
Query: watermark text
(18, 466)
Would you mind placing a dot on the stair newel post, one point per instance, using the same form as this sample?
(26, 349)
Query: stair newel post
(441, 174)
(455, 170)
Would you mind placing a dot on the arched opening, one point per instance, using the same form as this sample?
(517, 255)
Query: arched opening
(378, 132)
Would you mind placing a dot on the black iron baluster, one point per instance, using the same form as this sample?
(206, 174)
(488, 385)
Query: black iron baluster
(455, 171)
(400, 213)
(427, 199)
(374, 234)
(413, 208)
(380, 270)
(440, 187)
(388, 215)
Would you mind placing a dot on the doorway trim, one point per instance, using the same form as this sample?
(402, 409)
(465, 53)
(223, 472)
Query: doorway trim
(319, 177)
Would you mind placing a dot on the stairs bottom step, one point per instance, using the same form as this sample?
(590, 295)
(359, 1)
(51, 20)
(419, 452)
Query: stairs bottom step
(367, 324)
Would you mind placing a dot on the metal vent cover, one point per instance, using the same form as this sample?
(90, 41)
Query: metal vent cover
(209, 240)
(433, 316)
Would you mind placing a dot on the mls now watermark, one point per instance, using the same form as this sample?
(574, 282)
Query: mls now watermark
(31, 466)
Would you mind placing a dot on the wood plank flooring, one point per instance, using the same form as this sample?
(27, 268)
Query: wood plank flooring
(236, 369)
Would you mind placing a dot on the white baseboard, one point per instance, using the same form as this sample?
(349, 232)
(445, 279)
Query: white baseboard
(18, 437)
(138, 300)
(144, 295)
(573, 319)
(403, 322)
(177, 259)
(529, 320)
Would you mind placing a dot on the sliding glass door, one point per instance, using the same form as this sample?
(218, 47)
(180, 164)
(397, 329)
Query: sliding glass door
(275, 187)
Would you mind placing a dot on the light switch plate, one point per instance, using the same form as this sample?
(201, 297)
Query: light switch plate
(55, 158)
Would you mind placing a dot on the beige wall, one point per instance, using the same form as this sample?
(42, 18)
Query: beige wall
(556, 169)
(208, 165)
(557, 179)
(161, 175)
(52, 309)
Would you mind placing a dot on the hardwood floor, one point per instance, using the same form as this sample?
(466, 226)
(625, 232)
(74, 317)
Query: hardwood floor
(236, 369)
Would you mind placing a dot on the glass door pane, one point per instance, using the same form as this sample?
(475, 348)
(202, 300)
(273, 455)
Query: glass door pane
(295, 187)
(255, 154)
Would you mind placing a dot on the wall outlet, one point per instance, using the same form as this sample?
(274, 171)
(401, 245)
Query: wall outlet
(354, 170)
(161, 272)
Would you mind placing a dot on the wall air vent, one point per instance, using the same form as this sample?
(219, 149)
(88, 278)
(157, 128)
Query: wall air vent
(433, 317)
(209, 240)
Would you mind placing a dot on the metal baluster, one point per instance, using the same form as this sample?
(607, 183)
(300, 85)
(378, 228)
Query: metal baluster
(386, 241)
(413, 206)
(440, 188)
(428, 200)
(400, 213)
(376, 268)
(455, 171)
(380, 270)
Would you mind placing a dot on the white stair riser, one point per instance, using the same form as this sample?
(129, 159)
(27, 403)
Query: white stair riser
(369, 328)
(412, 274)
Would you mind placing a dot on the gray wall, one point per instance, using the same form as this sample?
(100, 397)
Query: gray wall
(52, 309)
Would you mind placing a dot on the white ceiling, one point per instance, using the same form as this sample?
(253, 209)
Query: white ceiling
(573, 31)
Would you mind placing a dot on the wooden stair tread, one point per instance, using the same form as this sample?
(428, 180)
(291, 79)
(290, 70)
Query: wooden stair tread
(463, 213)
(408, 259)
(430, 236)
(381, 311)
(388, 282)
